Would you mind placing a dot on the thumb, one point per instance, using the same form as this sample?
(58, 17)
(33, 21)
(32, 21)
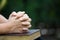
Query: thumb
(13, 14)
(20, 14)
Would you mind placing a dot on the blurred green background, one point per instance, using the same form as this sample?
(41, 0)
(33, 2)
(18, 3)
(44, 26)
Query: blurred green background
(44, 11)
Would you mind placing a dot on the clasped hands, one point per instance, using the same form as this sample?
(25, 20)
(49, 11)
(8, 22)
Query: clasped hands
(20, 22)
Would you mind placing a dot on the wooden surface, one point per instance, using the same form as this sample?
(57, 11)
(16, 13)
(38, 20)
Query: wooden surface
(31, 35)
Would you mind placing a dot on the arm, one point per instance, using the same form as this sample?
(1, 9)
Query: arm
(5, 27)
(2, 19)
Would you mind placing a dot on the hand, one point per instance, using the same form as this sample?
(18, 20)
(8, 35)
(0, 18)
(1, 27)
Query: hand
(23, 22)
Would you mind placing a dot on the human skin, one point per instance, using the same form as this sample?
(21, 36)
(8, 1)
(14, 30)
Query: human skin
(16, 23)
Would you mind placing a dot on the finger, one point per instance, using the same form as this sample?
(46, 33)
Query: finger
(13, 14)
(29, 26)
(25, 29)
(29, 20)
(20, 14)
(24, 18)
(22, 30)
(25, 23)
(26, 26)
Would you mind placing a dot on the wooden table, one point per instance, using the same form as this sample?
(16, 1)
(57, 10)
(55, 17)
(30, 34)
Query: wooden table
(31, 35)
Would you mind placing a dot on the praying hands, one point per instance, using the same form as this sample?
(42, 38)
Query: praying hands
(17, 23)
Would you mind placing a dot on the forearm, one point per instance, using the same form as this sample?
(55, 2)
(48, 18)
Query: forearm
(5, 28)
(2, 19)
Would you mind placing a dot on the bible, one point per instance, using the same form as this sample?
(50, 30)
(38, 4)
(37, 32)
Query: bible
(30, 35)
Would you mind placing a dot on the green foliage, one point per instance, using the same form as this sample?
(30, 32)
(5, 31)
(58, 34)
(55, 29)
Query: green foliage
(0, 1)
